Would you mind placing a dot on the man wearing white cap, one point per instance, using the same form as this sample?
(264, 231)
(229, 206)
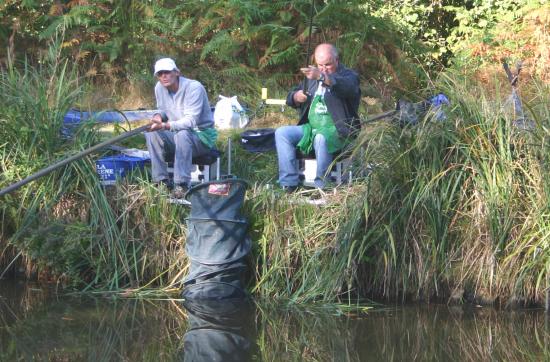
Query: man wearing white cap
(184, 124)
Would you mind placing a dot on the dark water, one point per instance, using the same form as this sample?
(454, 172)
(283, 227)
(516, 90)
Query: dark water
(37, 325)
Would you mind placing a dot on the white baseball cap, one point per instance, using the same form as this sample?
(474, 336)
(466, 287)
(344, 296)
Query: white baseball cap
(165, 64)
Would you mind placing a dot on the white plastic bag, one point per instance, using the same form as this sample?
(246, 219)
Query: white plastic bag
(229, 113)
(134, 152)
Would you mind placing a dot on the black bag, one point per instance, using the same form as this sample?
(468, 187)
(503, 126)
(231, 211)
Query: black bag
(258, 140)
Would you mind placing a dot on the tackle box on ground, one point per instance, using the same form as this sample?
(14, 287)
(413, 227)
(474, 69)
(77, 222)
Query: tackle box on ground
(112, 167)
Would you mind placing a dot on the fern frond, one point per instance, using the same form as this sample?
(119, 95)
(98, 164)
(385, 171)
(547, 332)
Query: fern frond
(220, 47)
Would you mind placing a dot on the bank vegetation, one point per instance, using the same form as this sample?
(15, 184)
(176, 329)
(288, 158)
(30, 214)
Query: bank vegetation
(454, 209)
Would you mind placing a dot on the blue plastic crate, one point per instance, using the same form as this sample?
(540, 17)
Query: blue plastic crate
(110, 168)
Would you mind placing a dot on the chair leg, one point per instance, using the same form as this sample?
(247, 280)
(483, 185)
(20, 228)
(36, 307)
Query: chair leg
(342, 172)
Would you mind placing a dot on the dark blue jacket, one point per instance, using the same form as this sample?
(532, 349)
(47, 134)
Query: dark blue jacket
(342, 99)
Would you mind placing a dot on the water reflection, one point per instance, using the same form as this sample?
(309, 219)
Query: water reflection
(81, 329)
(37, 326)
(219, 330)
(461, 333)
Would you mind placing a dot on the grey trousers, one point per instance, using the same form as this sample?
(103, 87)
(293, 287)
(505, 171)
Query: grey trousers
(185, 145)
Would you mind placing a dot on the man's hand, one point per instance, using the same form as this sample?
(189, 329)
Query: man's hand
(311, 72)
(299, 97)
(156, 123)
(314, 73)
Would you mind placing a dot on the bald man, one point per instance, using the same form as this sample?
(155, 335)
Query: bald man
(328, 102)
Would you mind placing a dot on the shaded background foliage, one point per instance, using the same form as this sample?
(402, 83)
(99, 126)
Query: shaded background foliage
(238, 45)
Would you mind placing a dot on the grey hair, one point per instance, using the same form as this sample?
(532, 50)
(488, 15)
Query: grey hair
(334, 52)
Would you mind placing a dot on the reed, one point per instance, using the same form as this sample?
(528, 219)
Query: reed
(66, 223)
(452, 203)
(454, 209)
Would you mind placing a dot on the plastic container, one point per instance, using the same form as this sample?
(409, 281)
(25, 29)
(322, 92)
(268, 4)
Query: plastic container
(74, 117)
(71, 121)
(110, 168)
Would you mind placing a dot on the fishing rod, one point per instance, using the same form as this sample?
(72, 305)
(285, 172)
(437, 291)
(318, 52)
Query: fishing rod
(309, 43)
(381, 116)
(66, 161)
(402, 109)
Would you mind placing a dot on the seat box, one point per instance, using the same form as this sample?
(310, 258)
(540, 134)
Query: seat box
(339, 174)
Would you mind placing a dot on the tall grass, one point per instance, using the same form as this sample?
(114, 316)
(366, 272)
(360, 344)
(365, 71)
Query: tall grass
(66, 223)
(458, 207)
(455, 209)
(34, 101)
